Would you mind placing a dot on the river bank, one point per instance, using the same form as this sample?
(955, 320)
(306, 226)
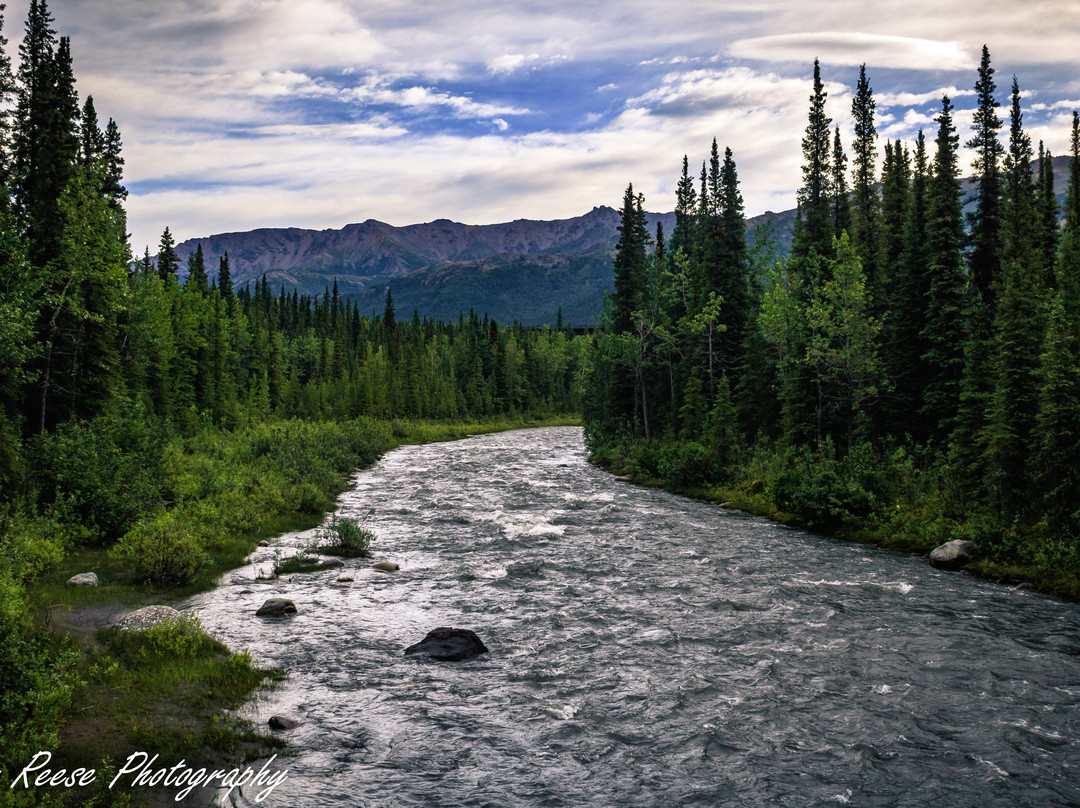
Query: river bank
(117, 696)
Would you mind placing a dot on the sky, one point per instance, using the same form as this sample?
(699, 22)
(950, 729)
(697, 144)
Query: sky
(238, 114)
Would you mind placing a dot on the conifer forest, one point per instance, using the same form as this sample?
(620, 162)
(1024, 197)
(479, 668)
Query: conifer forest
(907, 374)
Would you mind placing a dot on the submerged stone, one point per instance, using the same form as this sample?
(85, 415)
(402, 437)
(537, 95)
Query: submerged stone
(449, 645)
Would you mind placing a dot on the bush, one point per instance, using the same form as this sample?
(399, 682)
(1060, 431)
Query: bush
(690, 465)
(824, 493)
(102, 474)
(346, 537)
(161, 552)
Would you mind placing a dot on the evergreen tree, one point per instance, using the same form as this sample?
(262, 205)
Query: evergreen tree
(1048, 217)
(864, 199)
(908, 313)
(943, 329)
(168, 262)
(630, 258)
(841, 205)
(985, 222)
(813, 228)
(1019, 332)
(114, 167)
(92, 139)
(196, 279)
(224, 281)
(46, 143)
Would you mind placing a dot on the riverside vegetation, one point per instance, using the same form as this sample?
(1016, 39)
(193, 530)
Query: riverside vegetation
(154, 430)
(903, 376)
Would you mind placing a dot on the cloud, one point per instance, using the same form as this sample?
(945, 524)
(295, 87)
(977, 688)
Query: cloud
(853, 48)
(906, 99)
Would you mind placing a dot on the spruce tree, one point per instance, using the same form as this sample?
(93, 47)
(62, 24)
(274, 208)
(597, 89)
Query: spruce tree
(985, 222)
(224, 279)
(841, 205)
(1048, 217)
(196, 279)
(910, 296)
(168, 262)
(1019, 333)
(813, 228)
(91, 138)
(943, 329)
(1059, 396)
(630, 259)
(864, 197)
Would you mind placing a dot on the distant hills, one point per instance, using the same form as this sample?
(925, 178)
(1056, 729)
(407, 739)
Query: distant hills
(524, 270)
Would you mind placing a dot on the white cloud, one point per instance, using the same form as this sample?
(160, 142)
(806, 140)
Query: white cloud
(906, 99)
(855, 48)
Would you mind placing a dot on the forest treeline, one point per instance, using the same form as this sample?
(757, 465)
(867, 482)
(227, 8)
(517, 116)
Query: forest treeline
(910, 372)
(167, 419)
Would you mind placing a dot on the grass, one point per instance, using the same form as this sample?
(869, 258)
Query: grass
(164, 690)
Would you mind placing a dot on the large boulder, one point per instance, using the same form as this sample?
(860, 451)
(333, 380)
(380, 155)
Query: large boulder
(276, 607)
(282, 722)
(449, 645)
(83, 579)
(149, 617)
(953, 555)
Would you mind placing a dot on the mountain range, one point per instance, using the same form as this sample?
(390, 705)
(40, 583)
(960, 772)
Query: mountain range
(525, 270)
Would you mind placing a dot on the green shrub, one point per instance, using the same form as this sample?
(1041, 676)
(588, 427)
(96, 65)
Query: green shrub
(161, 552)
(346, 537)
(690, 465)
(102, 474)
(823, 492)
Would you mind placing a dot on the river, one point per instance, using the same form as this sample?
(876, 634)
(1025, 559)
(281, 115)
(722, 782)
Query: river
(646, 650)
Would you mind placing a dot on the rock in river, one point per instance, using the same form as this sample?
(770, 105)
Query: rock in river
(83, 579)
(149, 617)
(952, 555)
(276, 607)
(386, 566)
(282, 722)
(449, 645)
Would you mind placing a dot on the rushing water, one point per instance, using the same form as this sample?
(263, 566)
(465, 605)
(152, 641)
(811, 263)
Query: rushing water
(646, 650)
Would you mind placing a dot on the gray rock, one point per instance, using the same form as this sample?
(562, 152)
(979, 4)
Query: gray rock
(449, 645)
(282, 722)
(83, 579)
(952, 555)
(264, 543)
(331, 564)
(386, 566)
(276, 607)
(148, 617)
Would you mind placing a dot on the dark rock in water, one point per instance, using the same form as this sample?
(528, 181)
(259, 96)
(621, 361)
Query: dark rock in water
(276, 607)
(449, 645)
(264, 543)
(952, 555)
(281, 722)
(331, 564)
